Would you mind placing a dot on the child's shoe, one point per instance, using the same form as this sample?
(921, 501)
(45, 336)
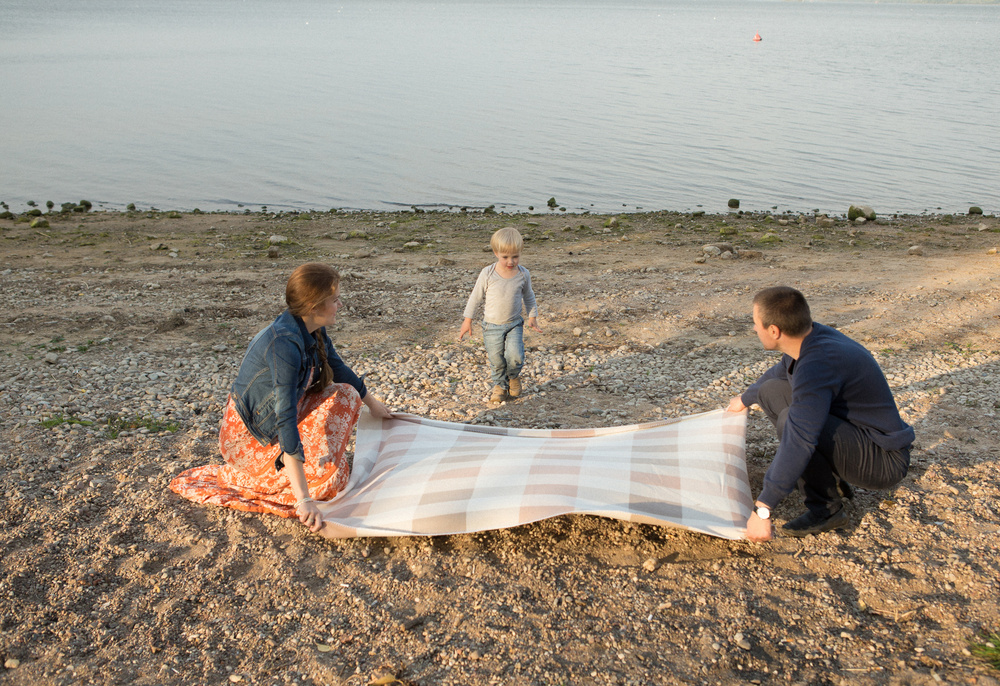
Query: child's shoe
(498, 395)
(515, 387)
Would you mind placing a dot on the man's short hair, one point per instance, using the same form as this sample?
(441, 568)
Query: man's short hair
(784, 307)
(507, 239)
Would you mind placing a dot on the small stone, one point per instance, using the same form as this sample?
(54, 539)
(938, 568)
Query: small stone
(12, 663)
(915, 250)
(273, 252)
(578, 332)
(277, 240)
(51, 358)
(651, 564)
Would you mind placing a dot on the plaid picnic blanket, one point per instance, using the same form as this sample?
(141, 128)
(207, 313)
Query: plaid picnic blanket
(422, 477)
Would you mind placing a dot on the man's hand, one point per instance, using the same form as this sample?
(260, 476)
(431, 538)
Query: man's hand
(736, 405)
(758, 530)
(533, 324)
(466, 329)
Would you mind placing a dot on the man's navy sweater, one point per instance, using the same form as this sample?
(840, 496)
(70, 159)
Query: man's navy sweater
(837, 376)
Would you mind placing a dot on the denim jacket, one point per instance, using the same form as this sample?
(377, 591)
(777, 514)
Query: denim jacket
(272, 379)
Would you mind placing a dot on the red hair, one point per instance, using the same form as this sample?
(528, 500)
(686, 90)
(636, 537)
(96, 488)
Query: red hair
(308, 286)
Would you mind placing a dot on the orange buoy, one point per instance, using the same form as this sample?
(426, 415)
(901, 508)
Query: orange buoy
(756, 37)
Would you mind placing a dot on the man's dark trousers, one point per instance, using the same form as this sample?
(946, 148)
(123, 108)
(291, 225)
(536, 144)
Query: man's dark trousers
(843, 452)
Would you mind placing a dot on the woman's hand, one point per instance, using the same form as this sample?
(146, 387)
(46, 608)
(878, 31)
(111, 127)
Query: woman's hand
(310, 515)
(305, 507)
(375, 406)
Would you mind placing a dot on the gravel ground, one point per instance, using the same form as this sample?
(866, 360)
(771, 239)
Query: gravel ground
(122, 333)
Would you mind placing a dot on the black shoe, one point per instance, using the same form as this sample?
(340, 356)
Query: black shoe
(810, 523)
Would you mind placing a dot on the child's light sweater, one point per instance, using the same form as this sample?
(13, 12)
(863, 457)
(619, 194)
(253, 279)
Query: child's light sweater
(504, 298)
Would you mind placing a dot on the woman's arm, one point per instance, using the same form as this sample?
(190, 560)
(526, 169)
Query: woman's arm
(341, 372)
(306, 508)
(285, 360)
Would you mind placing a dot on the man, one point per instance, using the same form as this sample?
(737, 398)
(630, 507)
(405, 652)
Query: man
(836, 419)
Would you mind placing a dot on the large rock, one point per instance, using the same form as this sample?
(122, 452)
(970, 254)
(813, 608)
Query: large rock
(716, 249)
(855, 211)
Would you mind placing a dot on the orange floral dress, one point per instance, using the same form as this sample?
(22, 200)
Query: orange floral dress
(248, 479)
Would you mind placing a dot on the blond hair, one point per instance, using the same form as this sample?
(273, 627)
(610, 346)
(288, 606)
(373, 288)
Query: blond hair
(507, 239)
(308, 286)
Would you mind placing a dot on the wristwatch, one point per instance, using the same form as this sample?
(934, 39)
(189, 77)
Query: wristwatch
(763, 512)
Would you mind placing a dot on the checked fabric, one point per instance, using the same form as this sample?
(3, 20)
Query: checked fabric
(422, 477)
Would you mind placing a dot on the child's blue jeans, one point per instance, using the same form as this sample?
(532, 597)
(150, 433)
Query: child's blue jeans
(505, 349)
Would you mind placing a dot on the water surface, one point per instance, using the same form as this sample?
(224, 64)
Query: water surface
(379, 104)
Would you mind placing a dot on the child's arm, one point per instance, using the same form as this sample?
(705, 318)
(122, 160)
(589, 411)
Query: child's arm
(475, 299)
(528, 294)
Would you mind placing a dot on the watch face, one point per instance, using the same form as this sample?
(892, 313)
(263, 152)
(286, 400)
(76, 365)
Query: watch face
(763, 513)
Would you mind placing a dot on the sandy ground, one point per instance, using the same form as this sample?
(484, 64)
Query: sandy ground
(121, 333)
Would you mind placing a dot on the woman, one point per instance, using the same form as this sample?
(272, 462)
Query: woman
(290, 412)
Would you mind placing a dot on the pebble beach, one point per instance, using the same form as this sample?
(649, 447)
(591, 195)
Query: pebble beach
(123, 331)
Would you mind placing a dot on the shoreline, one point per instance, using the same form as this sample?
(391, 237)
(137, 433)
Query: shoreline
(23, 210)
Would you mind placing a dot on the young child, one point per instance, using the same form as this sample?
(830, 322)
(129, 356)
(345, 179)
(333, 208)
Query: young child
(505, 287)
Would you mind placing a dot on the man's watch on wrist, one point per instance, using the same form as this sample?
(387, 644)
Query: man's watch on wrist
(763, 512)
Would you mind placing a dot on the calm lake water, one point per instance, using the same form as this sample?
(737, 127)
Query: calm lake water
(607, 106)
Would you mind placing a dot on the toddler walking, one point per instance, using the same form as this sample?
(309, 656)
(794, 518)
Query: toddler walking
(505, 288)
